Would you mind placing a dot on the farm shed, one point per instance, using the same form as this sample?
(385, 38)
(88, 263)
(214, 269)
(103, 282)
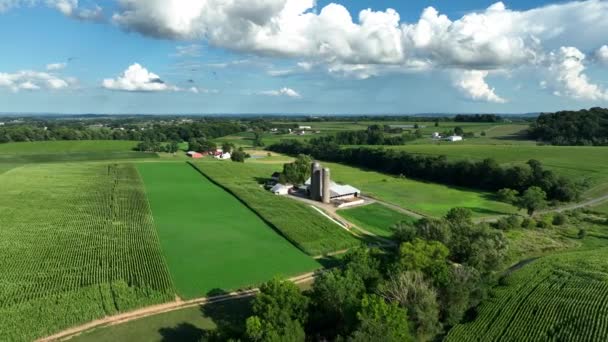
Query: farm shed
(454, 138)
(223, 156)
(281, 189)
(194, 155)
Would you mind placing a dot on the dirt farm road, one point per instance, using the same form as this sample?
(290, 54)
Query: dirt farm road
(162, 308)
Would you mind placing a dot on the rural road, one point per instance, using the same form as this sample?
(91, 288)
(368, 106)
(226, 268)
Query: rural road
(162, 308)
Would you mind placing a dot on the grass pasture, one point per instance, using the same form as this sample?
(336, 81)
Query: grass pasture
(578, 162)
(299, 223)
(425, 198)
(211, 241)
(375, 218)
(77, 242)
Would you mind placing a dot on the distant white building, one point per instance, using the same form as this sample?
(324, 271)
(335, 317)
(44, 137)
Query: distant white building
(224, 156)
(436, 135)
(281, 189)
(304, 127)
(1, 123)
(454, 138)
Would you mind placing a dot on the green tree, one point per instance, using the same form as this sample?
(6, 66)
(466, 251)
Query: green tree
(239, 155)
(227, 147)
(279, 312)
(299, 171)
(532, 200)
(378, 318)
(172, 147)
(335, 300)
(257, 139)
(459, 215)
(507, 195)
(429, 257)
(458, 130)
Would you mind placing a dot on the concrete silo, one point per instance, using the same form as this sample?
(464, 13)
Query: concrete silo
(315, 182)
(326, 186)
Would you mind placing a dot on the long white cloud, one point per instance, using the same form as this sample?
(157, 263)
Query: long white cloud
(33, 80)
(288, 92)
(473, 85)
(69, 8)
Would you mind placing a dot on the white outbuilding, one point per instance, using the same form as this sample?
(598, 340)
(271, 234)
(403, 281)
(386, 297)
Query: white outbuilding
(454, 138)
(224, 156)
(281, 189)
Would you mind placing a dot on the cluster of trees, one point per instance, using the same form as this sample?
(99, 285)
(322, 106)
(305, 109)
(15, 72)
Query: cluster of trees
(374, 135)
(146, 131)
(155, 146)
(440, 270)
(584, 127)
(477, 118)
(486, 175)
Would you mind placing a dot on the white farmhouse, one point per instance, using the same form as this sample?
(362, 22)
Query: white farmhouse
(304, 127)
(224, 156)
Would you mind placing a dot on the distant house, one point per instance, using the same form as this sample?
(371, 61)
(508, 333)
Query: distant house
(454, 138)
(281, 189)
(216, 152)
(436, 135)
(304, 127)
(194, 155)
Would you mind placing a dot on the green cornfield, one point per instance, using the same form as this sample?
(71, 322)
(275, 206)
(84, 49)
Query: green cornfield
(557, 298)
(77, 242)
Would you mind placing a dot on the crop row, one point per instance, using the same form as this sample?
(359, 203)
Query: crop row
(78, 242)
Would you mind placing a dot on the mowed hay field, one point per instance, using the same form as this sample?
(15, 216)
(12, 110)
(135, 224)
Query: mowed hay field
(425, 198)
(298, 222)
(577, 162)
(77, 242)
(211, 241)
(16, 154)
(375, 218)
(562, 297)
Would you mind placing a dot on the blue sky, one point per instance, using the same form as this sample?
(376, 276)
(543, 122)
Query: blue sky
(283, 56)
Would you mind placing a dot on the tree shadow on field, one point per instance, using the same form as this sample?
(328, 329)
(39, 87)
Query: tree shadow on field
(484, 211)
(217, 292)
(183, 332)
(229, 316)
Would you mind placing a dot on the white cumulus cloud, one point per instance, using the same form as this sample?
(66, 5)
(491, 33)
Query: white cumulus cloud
(69, 8)
(282, 92)
(472, 84)
(137, 78)
(55, 66)
(602, 54)
(568, 78)
(33, 80)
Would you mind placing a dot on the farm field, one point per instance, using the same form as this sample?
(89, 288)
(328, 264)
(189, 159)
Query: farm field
(578, 162)
(14, 154)
(77, 246)
(425, 198)
(375, 218)
(211, 241)
(65, 146)
(191, 324)
(299, 223)
(557, 298)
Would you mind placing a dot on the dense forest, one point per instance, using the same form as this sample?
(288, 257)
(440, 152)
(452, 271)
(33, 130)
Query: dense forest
(433, 278)
(484, 175)
(584, 127)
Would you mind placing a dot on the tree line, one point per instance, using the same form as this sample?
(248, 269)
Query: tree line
(156, 132)
(583, 127)
(484, 175)
(477, 118)
(435, 276)
(374, 135)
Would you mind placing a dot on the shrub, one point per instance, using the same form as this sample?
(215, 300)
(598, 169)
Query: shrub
(582, 233)
(528, 223)
(544, 225)
(560, 219)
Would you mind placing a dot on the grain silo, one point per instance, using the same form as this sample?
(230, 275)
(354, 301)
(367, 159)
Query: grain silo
(326, 186)
(315, 182)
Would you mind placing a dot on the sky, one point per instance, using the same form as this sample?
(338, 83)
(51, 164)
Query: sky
(302, 56)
